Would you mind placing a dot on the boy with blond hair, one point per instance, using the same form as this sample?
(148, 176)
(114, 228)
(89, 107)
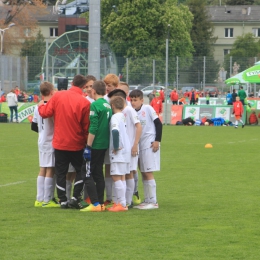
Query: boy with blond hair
(149, 148)
(119, 153)
(45, 128)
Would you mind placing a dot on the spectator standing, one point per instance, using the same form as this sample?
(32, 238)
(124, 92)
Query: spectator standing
(151, 96)
(162, 97)
(70, 111)
(253, 119)
(192, 97)
(229, 98)
(174, 97)
(242, 95)
(207, 98)
(12, 103)
(234, 95)
(17, 91)
(157, 104)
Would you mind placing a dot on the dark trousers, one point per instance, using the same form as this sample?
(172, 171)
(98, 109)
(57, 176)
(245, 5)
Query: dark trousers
(94, 180)
(62, 161)
(12, 110)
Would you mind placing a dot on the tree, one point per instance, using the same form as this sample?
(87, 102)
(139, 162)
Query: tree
(138, 28)
(243, 52)
(202, 39)
(240, 2)
(34, 49)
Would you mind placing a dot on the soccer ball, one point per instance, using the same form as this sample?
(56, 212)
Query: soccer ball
(206, 123)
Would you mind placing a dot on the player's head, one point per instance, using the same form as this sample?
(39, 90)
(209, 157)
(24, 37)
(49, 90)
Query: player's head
(46, 88)
(98, 88)
(90, 80)
(79, 81)
(157, 94)
(117, 103)
(124, 86)
(117, 93)
(136, 97)
(111, 81)
(12, 90)
(237, 98)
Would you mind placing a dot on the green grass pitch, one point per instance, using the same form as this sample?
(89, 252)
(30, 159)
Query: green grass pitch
(208, 199)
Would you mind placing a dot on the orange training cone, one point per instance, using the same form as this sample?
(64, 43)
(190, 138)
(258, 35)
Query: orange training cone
(208, 146)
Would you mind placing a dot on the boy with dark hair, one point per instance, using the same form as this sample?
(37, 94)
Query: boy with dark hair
(97, 144)
(45, 128)
(149, 148)
(90, 80)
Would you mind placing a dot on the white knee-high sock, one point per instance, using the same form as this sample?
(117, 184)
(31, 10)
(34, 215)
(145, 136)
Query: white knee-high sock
(48, 188)
(241, 121)
(120, 194)
(40, 188)
(152, 191)
(114, 198)
(236, 123)
(68, 189)
(146, 191)
(130, 184)
(136, 181)
(108, 183)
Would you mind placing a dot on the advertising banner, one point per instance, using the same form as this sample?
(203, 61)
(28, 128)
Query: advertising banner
(25, 111)
(176, 113)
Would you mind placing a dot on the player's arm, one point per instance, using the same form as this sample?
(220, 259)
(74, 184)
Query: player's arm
(93, 127)
(115, 138)
(34, 124)
(46, 109)
(138, 132)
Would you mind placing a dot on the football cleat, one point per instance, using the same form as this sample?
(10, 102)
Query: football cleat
(148, 206)
(37, 204)
(117, 208)
(136, 199)
(50, 204)
(92, 208)
(75, 203)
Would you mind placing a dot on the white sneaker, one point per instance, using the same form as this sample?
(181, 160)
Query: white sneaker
(149, 206)
(140, 205)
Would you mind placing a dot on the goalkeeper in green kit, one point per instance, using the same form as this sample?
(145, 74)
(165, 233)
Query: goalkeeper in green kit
(97, 144)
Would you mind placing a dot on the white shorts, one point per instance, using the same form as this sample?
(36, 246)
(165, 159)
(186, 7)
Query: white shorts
(46, 159)
(71, 168)
(149, 161)
(133, 163)
(119, 168)
(107, 159)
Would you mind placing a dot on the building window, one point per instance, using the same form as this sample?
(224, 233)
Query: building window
(226, 51)
(53, 32)
(256, 32)
(27, 32)
(229, 32)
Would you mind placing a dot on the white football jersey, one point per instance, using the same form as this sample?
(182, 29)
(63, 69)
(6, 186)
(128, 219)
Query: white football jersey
(118, 122)
(91, 100)
(131, 119)
(107, 98)
(146, 116)
(45, 131)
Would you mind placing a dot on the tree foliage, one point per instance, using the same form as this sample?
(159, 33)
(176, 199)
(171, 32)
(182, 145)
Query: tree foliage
(138, 29)
(202, 36)
(243, 52)
(34, 49)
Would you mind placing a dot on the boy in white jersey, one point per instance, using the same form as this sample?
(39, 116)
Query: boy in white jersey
(111, 81)
(136, 199)
(119, 153)
(134, 130)
(149, 148)
(45, 128)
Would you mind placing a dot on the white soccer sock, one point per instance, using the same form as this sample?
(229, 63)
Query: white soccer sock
(136, 182)
(68, 189)
(152, 191)
(108, 183)
(54, 179)
(40, 188)
(114, 198)
(236, 123)
(241, 121)
(130, 184)
(48, 183)
(146, 191)
(120, 193)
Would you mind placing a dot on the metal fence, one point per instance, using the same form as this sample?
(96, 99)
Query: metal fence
(197, 72)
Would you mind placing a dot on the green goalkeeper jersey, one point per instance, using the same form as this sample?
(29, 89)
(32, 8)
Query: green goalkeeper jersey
(100, 115)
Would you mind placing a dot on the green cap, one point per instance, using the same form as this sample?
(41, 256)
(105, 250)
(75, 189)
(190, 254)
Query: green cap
(157, 94)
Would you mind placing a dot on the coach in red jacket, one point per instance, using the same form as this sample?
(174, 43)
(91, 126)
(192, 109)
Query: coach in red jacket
(70, 111)
(174, 97)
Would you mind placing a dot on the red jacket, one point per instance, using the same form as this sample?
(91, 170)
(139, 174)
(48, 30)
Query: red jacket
(161, 95)
(71, 119)
(253, 119)
(238, 108)
(174, 96)
(156, 103)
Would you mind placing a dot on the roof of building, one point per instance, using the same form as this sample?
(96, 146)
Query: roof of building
(234, 13)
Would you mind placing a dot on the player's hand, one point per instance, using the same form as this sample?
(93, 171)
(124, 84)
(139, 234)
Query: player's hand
(87, 153)
(134, 150)
(155, 146)
(40, 103)
(115, 151)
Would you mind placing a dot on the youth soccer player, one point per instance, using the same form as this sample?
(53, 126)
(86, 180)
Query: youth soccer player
(45, 129)
(238, 111)
(119, 153)
(97, 144)
(134, 130)
(149, 148)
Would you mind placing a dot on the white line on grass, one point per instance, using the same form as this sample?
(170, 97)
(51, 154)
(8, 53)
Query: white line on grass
(13, 183)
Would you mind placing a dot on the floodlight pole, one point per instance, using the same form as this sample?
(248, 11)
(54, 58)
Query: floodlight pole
(166, 71)
(2, 32)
